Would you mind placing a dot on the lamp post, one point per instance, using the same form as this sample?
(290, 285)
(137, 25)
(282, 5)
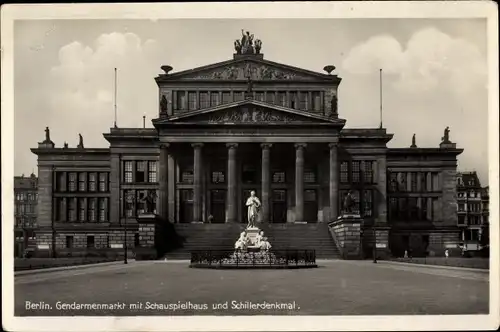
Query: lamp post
(129, 198)
(374, 244)
(53, 213)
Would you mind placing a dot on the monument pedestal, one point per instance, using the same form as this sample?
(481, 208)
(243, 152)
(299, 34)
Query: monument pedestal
(147, 228)
(346, 231)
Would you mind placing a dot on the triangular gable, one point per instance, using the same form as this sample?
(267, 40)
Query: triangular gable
(237, 69)
(251, 111)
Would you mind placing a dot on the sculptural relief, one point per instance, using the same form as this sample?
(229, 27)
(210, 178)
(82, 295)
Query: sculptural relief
(239, 72)
(246, 115)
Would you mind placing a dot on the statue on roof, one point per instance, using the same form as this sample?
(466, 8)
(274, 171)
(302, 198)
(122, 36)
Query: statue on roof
(65, 145)
(80, 142)
(163, 104)
(446, 137)
(413, 142)
(334, 102)
(47, 134)
(258, 46)
(237, 46)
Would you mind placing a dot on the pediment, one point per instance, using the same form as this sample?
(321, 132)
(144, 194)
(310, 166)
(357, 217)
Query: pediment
(241, 69)
(252, 112)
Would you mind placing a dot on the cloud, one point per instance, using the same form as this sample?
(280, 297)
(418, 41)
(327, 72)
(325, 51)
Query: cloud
(82, 85)
(431, 59)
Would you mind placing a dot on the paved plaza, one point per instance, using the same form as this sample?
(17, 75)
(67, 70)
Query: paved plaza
(172, 288)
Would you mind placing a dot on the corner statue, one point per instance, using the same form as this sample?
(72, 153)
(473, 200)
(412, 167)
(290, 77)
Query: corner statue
(253, 204)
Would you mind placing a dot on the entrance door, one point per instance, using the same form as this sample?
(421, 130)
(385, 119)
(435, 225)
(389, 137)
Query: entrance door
(186, 206)
(218, 206)
(279, 206)
(310, 206)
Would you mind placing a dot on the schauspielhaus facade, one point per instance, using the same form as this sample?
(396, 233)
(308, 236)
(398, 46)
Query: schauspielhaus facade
(247, 124)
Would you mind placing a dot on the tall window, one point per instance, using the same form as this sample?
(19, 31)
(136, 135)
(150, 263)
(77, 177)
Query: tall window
(281, 98)
(423, 181)
(192, 100)
(393, 208)
(413, 182)
(214, 98)
(402, 182)
(368, 203)
(152, 171)
(139, 171)
(181, 100)
(129, 199)
(316, 101)
(187, 174)
(61, 181)
(218, 177)
(368, 171)
(103, 182)
(102, 209)
(279, 177)
(309, 176)
(413, 207)
(81, 181)
(72, 181)
(61, 209)
(293, 100)
(72, 209)
(91, 211)
(81, 209)
(271, 97)
(356, 171)
(238, 96)
(423, 209)
(92, 182)
(90, 241)
(259, 95)
(204, 102)
(302, 100)
(344, 172)
(69, 241)
(127, 175)
(226, 97)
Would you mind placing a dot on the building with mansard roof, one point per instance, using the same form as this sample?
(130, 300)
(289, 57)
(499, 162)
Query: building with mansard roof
(246, 124)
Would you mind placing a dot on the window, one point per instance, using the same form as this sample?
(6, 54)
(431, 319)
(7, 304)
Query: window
(259, 95)
(368, 203)
(412, 206)
(356, 171)
(368, 171)
(90, 241)
(181, 100)
(103, 182)
(461, 207)
(238, 96)
(92, 181)
(403, 209)
(214, 98)
(302, 100)
(309, 176)
(293, 100)
(129, 199)
(81, 209)
(61, 181)
(393, 208)
(152, 171)
(91, 210)
(139, 172)
(127, 172)
(413, 182)
(393, 182)
(344, 172)
(72, 181)
(192, 100)
(249, 174)
(72, 209)
(187, 176)
(423, 182)
(279, 177)
(270, 97)
(61, 209)
(102, 209)
(69, 241)
(204, 102)
(281, 98)
(226, 97)
(81, 181)
(316, 101)
(402, 182)
(218, 177)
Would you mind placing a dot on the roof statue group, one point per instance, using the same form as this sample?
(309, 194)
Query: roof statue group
(247, 45)
(48, 140)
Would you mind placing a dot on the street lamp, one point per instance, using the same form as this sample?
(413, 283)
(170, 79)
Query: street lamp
(129, 198)
(374, 245)
(54, 183)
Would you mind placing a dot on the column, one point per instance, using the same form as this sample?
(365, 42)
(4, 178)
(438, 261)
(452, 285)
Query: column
(171, 187)
(380, 194)
(197, 182)
(163, 182)
(299, 182)
(231, 182)
(334, 182)
(266, 177)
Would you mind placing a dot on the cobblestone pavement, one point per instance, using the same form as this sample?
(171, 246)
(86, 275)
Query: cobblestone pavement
(172, 288)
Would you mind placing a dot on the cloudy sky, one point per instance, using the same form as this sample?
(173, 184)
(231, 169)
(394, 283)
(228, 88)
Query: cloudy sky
(435, 74)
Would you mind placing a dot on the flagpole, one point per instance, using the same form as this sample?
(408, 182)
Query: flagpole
(381, 118)
(116, 114)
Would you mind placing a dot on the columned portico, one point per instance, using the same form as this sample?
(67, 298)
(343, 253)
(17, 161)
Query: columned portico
(232, 204)
(266, 180)
(334, 180)
(197, 182)
(299, 182)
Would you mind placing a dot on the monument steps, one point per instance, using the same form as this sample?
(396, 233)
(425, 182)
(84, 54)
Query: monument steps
(281, 236)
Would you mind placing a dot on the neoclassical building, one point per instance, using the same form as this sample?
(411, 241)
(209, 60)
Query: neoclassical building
(245, 124)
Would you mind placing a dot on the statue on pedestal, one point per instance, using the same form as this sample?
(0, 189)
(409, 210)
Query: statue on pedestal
(242, 242)
(47, 134)
(253, 204)
(413, 142)
(261, 242)
(446, 137)
(349, 203)
(80, 141)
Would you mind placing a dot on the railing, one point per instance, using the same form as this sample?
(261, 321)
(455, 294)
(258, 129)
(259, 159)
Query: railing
(258, 259)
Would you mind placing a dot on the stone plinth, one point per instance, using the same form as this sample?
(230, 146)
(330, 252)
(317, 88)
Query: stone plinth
(346, 231)
(147, 226)
(252, 233)
(447, 145)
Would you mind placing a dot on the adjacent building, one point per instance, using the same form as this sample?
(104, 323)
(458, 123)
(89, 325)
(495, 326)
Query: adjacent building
(25, 212)
(245, 124)
(473, 209)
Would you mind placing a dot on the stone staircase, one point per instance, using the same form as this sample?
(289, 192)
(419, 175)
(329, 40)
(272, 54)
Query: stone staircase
(281, 236)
